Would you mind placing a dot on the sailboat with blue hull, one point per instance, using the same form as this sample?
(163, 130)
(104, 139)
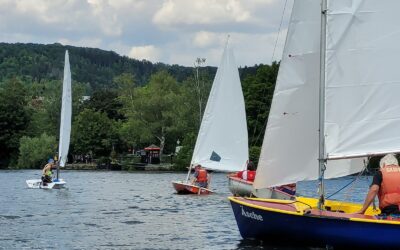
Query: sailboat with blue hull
(335, 103)
(295, 223)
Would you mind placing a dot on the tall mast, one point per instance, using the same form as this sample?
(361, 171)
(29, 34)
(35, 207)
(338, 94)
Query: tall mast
(321, 158)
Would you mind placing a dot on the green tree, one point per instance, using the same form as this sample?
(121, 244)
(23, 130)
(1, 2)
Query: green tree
(46, 106)
(93, 132)
(155, 110)
(33, 152)
(258, 90)
(106, 101)
(14, 119)
(184, 156)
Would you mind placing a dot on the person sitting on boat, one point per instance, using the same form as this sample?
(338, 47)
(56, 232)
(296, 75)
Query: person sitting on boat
(200, 177)
(249, 174)
(46, 172)
(385, 184)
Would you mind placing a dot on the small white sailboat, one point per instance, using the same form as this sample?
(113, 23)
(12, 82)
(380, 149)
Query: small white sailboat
(222, 141)
(65, 131)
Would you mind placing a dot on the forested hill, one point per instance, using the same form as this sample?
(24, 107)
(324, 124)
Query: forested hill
(95, 66)
(37, 62)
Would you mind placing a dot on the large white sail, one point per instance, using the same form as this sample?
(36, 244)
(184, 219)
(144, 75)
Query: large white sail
(290, 149)
(362, 78)
(66, 112)
(222, 142)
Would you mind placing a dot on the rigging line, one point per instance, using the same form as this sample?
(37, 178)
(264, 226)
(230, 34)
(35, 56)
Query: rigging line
(345, 186)
(264, 90)
(355, 179)
(279, 31)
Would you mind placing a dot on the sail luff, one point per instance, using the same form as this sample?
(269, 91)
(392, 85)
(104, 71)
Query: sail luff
(222, 141)
(66, 113)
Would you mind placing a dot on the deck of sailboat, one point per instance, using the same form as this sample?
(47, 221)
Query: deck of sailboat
(303, 206)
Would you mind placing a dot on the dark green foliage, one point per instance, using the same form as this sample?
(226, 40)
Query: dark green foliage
(258, 90)
(183, 158)
(254, 154)
(106, 101)
(93, 132)
(35, 62)
(14, 119)
(34, 152)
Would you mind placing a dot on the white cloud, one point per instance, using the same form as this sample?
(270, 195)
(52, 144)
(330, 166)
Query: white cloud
(170, 31)
(147, 52)
(204, 39)
(200, 12)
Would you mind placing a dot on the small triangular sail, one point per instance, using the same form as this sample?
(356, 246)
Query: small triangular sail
(66, 112)
(222, 142)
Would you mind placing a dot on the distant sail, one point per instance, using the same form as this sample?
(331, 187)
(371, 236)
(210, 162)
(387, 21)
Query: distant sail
(66, 113)
(222, 142)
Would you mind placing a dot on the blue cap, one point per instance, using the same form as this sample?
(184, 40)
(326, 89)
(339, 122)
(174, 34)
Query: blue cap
(50, 160)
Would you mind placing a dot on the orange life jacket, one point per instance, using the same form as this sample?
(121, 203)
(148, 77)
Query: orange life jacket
(389, 191)
(201, 175)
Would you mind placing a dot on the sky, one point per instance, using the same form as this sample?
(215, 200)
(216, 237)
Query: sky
(168, 31)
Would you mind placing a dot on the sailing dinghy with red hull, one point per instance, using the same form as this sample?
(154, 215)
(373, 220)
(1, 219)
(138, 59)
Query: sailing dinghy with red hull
(222, 141)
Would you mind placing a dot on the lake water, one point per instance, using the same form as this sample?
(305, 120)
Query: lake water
(128, 210)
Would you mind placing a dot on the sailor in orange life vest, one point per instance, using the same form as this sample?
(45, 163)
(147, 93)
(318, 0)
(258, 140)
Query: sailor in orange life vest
(249, 174)
(386, 184)
(200, 177)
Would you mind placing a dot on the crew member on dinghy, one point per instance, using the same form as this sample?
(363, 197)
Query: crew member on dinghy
(46, 172)
(200, 177)
(386, 184)
(248, 174)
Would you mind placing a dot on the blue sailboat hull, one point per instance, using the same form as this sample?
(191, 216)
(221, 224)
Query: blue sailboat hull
(278, 227)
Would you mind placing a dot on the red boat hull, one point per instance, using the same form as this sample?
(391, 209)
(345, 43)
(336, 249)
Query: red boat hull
(186, 188)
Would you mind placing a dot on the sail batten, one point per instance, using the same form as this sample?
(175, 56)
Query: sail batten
(66, 113)
(222, 141)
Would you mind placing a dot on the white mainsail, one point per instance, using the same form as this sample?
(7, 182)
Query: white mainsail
(359, 41)
(66, 112)
(222, 142)
(362, 78)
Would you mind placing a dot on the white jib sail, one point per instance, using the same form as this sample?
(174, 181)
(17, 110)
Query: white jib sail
(66, 112)
(222, 142)
(290, 148)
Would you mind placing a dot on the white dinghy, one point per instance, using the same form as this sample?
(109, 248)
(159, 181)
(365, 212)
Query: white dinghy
(65, 131)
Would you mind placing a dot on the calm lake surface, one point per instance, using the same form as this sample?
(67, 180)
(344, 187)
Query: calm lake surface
(128, 210)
